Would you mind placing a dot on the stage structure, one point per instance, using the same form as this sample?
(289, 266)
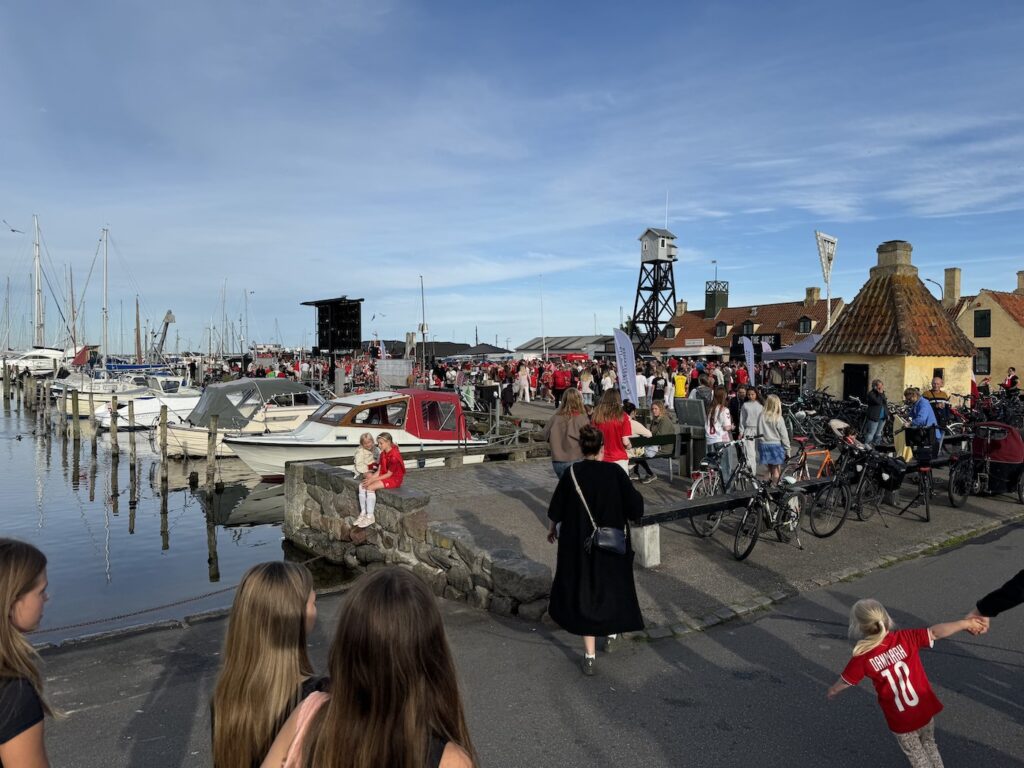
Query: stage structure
(655, 302)
(338, 325)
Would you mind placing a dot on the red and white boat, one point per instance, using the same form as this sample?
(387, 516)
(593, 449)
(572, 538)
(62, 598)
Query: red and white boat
(416, 419)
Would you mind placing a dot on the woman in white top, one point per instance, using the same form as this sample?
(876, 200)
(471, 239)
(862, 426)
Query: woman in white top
(718, 429)
(774, 445)
(750, 412)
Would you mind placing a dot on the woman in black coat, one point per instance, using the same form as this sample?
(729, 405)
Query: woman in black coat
(593, 592)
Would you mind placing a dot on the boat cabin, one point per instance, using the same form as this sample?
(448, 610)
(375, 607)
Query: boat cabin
(428, 415)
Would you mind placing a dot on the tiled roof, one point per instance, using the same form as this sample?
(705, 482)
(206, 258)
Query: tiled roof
(1012, 304)
(783, 319)
(960, 307)
(895, 314)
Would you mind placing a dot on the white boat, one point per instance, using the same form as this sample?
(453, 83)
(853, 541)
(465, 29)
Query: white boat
(40, 361)
(147, 408)
(104, 385)
(243, 407)
(416, 420)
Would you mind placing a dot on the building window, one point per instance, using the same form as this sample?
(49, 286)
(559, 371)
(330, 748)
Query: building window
(747, 328)
(720, 330)
(983, 361)
(670, 331)
(982, 323)
(804, 326)
(663, 242)
(939, 373)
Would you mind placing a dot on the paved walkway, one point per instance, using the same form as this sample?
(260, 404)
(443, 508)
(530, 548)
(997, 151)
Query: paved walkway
(752, 687)
(505, 506)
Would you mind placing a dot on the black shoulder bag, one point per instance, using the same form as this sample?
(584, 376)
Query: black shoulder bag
(606, 538)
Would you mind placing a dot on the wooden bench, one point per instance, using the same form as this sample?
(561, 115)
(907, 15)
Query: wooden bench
(679, 448)
(646, 535)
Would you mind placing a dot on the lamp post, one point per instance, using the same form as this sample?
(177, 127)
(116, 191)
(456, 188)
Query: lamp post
(935, 282)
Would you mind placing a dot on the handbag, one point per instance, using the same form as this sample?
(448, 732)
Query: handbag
(606, 538)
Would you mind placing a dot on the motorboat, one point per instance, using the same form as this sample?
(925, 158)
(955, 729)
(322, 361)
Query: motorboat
(416, 419)
(147, 408)
(40, 361)
(243, 407)
(102, 386)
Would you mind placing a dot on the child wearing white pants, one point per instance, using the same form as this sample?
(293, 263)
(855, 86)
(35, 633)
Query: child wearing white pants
(365, 464)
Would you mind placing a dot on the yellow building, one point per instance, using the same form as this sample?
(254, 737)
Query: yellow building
(896, 331)
(993, 321)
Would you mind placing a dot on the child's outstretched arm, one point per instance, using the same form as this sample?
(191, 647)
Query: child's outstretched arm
(838, 687)
(939, 631)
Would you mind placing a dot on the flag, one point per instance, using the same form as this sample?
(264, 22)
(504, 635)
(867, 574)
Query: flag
(766, 347)
(625, 360)
(748, 354)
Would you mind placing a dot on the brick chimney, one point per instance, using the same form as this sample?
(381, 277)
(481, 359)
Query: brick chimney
(951, 290)
(680, 308)
(1020, 283)
(812, 297)
(894, 259)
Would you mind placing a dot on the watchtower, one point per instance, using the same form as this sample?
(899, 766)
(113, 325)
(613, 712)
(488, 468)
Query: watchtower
(655, 289)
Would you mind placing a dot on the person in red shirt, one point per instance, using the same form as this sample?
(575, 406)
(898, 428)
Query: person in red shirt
(889, 658)
(613, 423)
(742, 378)
(390, 473)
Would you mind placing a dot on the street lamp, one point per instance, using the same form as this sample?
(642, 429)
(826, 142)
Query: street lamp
(935, 282)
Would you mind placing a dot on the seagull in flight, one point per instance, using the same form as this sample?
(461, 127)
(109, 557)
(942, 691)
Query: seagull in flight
(6, 224)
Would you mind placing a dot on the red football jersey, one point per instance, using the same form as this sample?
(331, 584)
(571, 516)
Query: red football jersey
(906, 697)
(391, 461)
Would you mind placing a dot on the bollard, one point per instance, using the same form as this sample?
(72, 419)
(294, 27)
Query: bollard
(211, 450)
(114, 449)
(131, 434)
(163, 445)
(76, 427)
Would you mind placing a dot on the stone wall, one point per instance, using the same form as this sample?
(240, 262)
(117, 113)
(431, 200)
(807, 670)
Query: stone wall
(321, 503)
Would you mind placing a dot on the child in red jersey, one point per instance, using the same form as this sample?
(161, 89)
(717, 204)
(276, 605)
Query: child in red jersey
(889, 657)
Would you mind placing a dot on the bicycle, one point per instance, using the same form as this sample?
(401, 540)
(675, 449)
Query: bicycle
(772, 509)
(708, 482)
(796, 466)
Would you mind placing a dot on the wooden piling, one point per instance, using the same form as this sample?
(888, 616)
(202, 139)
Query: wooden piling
(131, 435)
(165, 530)
(211, 451)
(163, 445)
(114, 448)
(92, 409)
(7, 382)
(76, 427)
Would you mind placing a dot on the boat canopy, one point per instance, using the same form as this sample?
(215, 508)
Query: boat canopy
(236, 402)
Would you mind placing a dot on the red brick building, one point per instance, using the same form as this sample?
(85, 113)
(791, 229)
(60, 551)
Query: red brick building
(723, 326)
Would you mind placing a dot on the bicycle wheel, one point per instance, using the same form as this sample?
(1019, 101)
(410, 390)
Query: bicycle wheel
(869, 496)
(828, 510)
(961, 478)
(789, 510)
(748, 530)
(706, 524)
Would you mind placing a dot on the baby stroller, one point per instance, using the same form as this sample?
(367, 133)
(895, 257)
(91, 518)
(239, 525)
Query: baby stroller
(995, 464)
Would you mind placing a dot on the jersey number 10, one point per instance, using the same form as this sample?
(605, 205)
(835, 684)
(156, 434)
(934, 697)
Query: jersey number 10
(904, 694)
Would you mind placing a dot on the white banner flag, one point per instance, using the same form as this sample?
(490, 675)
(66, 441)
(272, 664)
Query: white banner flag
(625, 359)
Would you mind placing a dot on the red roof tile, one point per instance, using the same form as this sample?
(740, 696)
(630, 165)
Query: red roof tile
(783, 319)
(895, 314)
(1012, 304)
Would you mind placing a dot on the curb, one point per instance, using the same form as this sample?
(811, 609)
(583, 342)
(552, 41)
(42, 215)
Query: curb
(759, 603)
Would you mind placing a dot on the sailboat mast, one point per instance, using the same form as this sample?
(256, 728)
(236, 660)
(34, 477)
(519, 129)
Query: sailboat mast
(138, 338)
(74, 317)
(7, 315)
(39, 309)
(106, 309)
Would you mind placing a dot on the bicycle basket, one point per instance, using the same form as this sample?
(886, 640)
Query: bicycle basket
(891, 471)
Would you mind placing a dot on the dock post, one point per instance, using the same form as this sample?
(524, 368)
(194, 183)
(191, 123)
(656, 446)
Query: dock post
(7, 382)
(165, 530)
(76, 427)
(131, 435)
(163, 447)
(211, 451)
(92, 408)
(114, 449)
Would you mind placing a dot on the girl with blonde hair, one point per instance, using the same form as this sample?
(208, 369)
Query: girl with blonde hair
(563, 432)
(773, 445)
(22, 704)
(266, 670)
(889, 657)
(394, 699)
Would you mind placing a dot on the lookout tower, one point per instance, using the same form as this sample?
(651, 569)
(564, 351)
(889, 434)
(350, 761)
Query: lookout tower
(655, 301)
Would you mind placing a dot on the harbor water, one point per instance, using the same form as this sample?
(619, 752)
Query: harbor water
(121, 552)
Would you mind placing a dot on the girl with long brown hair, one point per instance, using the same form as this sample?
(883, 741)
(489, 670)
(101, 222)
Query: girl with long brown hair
(22, 704)
(266, 670)
(394, 698)
(613, 423)
(563, 431)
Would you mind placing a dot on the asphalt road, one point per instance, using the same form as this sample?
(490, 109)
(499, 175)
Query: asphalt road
(751, 691)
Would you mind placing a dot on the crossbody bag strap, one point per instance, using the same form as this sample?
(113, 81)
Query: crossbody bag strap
(579, 491)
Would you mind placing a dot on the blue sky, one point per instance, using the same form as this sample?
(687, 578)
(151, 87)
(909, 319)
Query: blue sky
(314, 149)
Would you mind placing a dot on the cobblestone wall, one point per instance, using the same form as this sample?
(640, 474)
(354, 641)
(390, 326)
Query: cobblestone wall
(322, 503)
